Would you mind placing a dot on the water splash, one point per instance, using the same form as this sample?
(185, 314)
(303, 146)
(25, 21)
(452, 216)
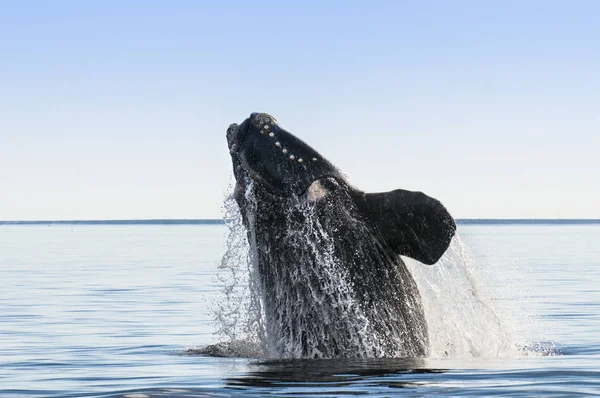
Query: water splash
(232, 311)
(463, 318)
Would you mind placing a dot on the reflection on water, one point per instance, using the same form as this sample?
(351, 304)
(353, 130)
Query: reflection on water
(333, 372)
(310, 377)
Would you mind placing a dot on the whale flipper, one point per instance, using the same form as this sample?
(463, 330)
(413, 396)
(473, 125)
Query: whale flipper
(411, 223)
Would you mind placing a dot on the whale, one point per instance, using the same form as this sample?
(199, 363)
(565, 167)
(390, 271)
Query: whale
(326, 257)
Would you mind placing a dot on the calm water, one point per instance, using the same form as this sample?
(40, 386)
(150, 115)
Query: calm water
(108, 311)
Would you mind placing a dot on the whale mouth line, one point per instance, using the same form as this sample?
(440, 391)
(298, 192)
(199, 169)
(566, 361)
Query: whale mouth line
(313, 191)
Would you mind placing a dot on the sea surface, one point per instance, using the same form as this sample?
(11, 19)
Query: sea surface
(111, 311)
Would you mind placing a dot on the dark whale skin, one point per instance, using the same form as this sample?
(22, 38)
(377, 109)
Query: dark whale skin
(327, 255)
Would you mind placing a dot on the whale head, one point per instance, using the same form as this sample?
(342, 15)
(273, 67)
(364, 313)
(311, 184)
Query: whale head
(281, 162)
(411, 224)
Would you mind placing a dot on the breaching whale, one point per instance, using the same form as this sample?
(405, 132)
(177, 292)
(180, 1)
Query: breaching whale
(327, 256)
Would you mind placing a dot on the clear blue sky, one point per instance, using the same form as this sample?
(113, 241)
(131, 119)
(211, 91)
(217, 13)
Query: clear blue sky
(119, 109)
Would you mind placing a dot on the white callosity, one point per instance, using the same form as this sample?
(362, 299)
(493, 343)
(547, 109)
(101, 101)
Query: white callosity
(316, 191)
(264, 121)
(261, 120)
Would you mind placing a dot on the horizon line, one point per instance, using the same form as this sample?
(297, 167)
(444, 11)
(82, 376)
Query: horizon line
(221, 221)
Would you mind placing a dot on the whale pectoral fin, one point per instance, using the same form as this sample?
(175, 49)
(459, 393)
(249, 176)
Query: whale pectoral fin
(411, 223)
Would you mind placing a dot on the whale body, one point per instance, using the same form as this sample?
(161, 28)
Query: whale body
(326, 255)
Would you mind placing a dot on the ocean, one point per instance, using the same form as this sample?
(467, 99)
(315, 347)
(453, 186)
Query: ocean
(111, 310)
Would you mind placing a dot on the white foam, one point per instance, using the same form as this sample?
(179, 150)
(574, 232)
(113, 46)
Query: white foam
(463, 320)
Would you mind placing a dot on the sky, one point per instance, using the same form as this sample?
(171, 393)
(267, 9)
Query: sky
(118, 110)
